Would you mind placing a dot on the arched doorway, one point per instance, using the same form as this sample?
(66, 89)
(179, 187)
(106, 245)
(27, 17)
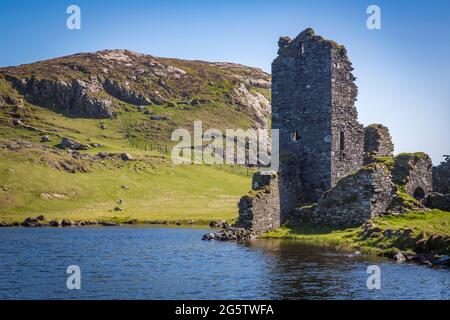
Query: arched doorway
(419, 194)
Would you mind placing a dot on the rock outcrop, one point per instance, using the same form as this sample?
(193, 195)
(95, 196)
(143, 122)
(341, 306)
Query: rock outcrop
(76, 97)
(102, 84)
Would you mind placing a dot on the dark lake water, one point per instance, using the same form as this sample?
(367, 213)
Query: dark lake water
(173, 263)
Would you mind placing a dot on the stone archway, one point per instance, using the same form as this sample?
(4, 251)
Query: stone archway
(419, 194)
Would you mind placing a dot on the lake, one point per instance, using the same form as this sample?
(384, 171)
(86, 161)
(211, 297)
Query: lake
(173, 263)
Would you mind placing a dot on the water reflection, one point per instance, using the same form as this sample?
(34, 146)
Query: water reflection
(165, 263)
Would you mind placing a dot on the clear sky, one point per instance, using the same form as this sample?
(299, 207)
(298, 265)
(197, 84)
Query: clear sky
(403, 70)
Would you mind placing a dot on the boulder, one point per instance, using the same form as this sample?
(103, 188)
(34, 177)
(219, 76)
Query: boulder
(67, 223)
(158, 118)
(54, 223)
(68, 143)
(109, 224)
(45, 138)
(222, 224)
(32, 222)
(16, 122)
(230, 234)
(126, 157)
(399, 257)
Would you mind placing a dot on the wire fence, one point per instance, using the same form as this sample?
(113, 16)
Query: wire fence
(166, 150)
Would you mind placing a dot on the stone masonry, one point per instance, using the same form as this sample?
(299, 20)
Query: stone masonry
(313, 95)
(413, 171)
(332, 170)
(355, 199)
(377, 143)
(259, 211)
(441, 176)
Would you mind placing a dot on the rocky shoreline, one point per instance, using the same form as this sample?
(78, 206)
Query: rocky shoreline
(42, 221)
(427, 249)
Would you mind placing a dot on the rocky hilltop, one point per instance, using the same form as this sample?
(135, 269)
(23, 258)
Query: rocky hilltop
(102, 84)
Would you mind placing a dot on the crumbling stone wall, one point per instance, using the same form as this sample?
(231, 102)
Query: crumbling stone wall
(441, 176)
(377, 143)
(313, 94)
(259, 211)
(413, 173)
(347, 144)
(355, 199)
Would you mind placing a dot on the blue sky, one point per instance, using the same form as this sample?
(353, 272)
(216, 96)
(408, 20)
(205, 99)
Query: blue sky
(403, 70)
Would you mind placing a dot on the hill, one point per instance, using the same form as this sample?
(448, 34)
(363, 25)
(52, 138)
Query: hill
(114, 102)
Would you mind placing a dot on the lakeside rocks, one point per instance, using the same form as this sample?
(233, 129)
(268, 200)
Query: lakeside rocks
(222, 224)
(230, 234)
(42, 221)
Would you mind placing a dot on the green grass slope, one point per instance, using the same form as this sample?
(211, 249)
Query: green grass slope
(39, 178)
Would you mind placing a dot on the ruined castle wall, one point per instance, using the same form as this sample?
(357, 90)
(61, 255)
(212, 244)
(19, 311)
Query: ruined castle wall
(441, 177)
(377, 143)
(347, 133)
(313, 95)
(355, 199)
(413, 171)
(259, 211)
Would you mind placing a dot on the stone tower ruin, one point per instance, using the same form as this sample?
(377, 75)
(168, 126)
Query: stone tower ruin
(332, 170)
(313, 106)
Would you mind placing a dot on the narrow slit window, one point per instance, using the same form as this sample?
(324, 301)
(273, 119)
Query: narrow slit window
(341, 141)
(295, 135)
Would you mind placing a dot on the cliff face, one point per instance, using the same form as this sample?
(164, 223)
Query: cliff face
(101, 84)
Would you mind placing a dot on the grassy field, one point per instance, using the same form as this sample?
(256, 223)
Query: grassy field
(150, 190)
(422, 224)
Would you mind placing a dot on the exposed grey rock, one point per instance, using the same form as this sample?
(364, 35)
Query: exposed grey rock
(159, 118)
(33, 222)
(124, 92)
(16, 122)
(45, 138)
(219, 224)
(77, 98)
(68, 143)
(55, 223)
(258, 104)
(67, 223)
(230, 234)
(126, 156)
(399, 257)
(109, 224)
